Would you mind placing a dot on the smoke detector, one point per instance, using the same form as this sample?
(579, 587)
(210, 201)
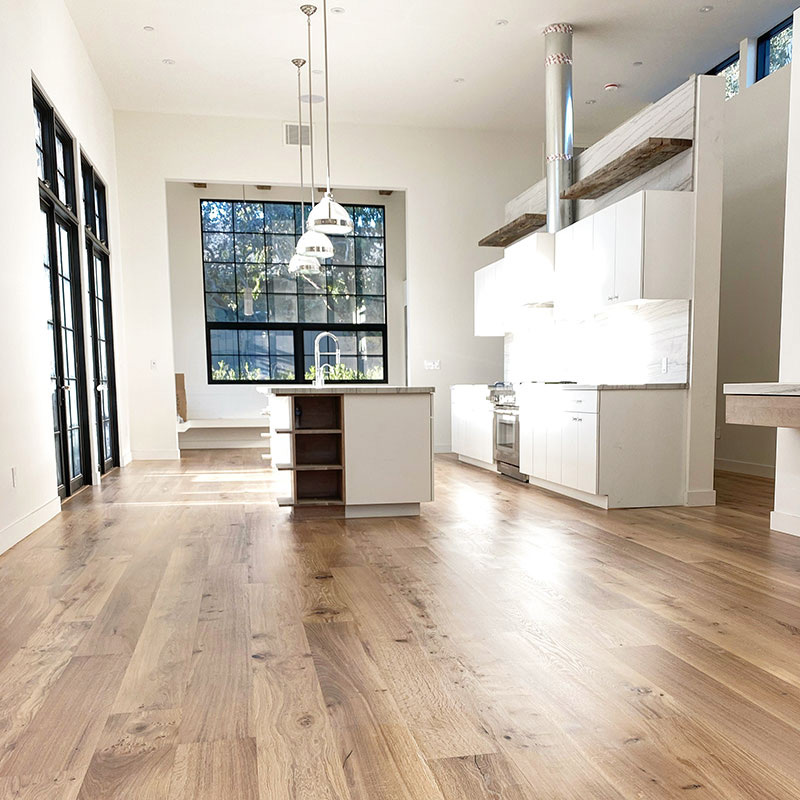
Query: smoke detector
(611, 87)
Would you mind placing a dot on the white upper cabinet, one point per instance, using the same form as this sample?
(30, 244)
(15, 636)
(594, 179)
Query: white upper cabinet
(530, 270)
(489, 301)
(637, 249)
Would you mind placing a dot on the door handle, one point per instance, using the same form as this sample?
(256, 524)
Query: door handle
(102, 387)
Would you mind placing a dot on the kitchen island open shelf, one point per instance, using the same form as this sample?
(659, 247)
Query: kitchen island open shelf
(366, 449)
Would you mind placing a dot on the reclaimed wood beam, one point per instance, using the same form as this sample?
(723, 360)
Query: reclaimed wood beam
(635, 162)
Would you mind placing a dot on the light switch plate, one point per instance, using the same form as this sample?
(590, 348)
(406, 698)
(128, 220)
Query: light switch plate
(664, 365)
(433, 364)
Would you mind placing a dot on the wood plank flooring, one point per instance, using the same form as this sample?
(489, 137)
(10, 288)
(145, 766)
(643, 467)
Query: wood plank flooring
(177, 635)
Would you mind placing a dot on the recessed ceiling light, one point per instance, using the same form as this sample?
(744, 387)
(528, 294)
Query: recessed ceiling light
(149, 28)
(337, 10)
(611, 87)
(168, 61)
(315, 98)
(317, 71)
(638, 63)
(501, 23)
(590, 102)
(705, 9)
(458, 80)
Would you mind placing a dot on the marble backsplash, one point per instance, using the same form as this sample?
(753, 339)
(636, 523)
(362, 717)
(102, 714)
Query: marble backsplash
(635, 343)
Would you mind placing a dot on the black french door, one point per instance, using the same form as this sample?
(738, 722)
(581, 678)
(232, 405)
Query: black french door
(103, 351)
(67, 369)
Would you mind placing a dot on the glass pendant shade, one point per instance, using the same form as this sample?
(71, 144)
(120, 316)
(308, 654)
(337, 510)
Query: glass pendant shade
(330, 218)
(313, 243)
(307, 265)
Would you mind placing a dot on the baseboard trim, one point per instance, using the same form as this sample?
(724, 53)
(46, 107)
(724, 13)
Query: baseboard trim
(785, 523)
(382, 510)
(745, 468)
(217, 444)
(155, 455)
(18, 530)
(596, 500)
(474, 462)
(126, 459)
(697, 498)
(442, 448)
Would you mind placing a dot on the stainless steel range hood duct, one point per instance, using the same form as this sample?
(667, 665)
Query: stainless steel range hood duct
(559, 123)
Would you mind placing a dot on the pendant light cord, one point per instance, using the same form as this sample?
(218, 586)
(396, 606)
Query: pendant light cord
(327, 93)
(300, 146)
(310, 114)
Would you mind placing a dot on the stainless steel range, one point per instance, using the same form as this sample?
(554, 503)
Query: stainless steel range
(506, 430)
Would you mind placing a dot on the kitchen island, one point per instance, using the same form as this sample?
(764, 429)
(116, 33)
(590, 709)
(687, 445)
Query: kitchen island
(366, 450)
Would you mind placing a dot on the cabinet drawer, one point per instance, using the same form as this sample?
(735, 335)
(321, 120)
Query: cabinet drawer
(585, 400)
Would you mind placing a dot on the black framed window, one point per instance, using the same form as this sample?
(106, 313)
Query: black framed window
(99, 260)
(729, 68)
(261, 320)
(55, 160)
(775, 49)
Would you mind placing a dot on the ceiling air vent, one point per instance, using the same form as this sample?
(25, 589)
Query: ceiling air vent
(290, 134)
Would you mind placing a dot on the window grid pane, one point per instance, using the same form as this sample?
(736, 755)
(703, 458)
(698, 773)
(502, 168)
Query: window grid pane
(246, 249)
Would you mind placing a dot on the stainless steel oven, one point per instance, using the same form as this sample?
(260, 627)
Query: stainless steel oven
(506, 441)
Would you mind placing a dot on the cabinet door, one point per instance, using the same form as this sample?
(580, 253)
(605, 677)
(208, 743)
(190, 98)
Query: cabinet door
(587, 427)
(554, 425)
(629, 249)
(569, 450)
(456, 421)
(605, 240)
(483, 432)
(527, 424)
(540, 450)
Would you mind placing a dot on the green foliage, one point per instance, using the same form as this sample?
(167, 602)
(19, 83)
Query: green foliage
(224, 372)
(340, 372)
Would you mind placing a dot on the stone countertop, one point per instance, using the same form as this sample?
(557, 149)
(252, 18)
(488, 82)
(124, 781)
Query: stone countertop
(287, 390)
(617, 387)
(768, 389)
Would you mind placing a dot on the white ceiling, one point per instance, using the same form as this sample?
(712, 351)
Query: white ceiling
(394, 61)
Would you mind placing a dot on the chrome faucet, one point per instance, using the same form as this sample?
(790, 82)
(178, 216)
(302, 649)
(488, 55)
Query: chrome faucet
(319, 368)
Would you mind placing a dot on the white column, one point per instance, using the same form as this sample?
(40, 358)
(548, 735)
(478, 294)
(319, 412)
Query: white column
(786, 516)
(748, 60)
(702, 412)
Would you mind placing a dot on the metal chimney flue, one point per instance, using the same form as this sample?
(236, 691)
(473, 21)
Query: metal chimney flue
(559, 123)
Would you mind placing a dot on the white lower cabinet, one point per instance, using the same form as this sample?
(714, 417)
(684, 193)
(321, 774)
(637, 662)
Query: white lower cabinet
(616, 449)
(472, 423)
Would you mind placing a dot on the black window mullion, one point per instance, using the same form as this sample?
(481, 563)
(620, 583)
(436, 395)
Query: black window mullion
(297, 328)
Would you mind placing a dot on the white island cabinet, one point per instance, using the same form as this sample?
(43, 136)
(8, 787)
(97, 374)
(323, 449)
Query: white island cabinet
(472, 424)
(366, 450)
(613, 447)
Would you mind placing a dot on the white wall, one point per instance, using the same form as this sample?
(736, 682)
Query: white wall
(786, 516)
(456, 184)
(186, 280)
(756, 124)
(37, 38)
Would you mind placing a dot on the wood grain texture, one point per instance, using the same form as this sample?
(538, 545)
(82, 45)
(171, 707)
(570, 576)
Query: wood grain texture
(763, 411)
(514, 230)
(177, 636)
(640, 159)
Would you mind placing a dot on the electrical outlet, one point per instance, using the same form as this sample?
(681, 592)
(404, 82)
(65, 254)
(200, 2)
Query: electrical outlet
(433, 365)
(664, 365)
(718, 432)
(13, 477)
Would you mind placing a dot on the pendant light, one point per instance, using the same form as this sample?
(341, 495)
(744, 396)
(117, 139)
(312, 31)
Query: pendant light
(305, 264)
(312, 243)
(328, 216)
